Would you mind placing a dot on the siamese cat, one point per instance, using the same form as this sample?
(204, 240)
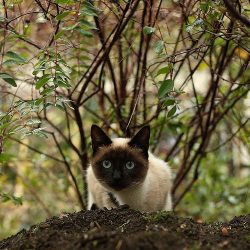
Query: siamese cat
(123, 171)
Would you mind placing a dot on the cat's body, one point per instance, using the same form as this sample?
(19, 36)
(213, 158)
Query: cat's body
(147, 185)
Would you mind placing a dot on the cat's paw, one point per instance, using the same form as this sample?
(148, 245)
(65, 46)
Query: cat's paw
(124, 206)
(93, 207)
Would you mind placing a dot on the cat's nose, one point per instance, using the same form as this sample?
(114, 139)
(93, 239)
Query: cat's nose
(117, 175)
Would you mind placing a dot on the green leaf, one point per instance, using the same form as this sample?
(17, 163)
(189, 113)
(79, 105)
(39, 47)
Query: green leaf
(47, 91)
(9, 62)
(89, 12)
(84, 32)
(59, 106)
(38, 101)
(4, 157)
(148, 30)
(59, 34)
(15, 57)
(166, 87)
(205, 6)
(159, 46)
(189, 28)
(62, 15)
(172, 111)
(42, 81)
(91, 7)
(164, 71)
(41, 65)
(9, 197)
(88, 24)
(219, 41)
(169, 101)
(42, 135)
(4, 125)
(8, 78)
(71, 27)
(39, 133)
(63, 84)
(33, 121)
(63, 1)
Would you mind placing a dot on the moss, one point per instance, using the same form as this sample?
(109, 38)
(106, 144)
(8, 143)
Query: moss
(247, 237)
(157, 217)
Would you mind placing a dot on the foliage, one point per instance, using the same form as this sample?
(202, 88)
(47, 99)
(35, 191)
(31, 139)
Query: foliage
(215, 192)
(180, 66)
(8, 197)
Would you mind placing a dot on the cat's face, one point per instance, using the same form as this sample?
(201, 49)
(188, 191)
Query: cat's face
(119, 166)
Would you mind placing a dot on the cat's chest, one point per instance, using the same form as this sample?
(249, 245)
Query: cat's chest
(148, 196)
(131, 198)
(136, 198)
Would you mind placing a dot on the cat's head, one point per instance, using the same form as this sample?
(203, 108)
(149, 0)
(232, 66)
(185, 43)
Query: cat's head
(122, 162)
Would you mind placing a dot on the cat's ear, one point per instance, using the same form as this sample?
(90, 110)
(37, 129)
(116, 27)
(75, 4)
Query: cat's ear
(99, 138)
(141, 140)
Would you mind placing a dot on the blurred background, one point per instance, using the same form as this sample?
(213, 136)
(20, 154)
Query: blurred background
(180, 66)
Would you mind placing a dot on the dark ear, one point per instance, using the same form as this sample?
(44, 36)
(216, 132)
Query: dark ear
(99, 138)
(141, 140)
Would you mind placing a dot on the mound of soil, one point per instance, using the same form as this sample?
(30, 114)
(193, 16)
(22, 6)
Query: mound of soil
(123, 228)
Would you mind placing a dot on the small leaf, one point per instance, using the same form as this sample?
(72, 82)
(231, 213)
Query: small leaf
(219, 41)
(59, 106)
(148, 30)
(171, 112)
(84, 32)
(159, 45)
(205, 6)
(166, 87)
(42, 81)
(62, 15)
(4, 125)
(189, 28)
(9, 62)
(4, 157)
(71, 27)
(47, 91)
(63, 84)
(40, 134)
(33, 121)
(8, 78)
(38, 101)
(88, 24)
(91, 7)
(9, 197)
(169, 101)
(62, 1)
(89, 13)
(37, 132)
(59, 34)
(41, 65)
(164, 71)
(15, 57)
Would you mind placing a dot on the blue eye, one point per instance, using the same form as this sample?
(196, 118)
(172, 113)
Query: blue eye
(106, 164)
(130, 165)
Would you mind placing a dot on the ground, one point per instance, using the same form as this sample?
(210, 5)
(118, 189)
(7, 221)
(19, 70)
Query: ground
(123, 228)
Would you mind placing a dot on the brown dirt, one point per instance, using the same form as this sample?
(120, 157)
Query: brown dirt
(124, 228)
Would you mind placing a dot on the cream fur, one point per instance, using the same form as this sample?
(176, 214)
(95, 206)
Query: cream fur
(152, 195)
